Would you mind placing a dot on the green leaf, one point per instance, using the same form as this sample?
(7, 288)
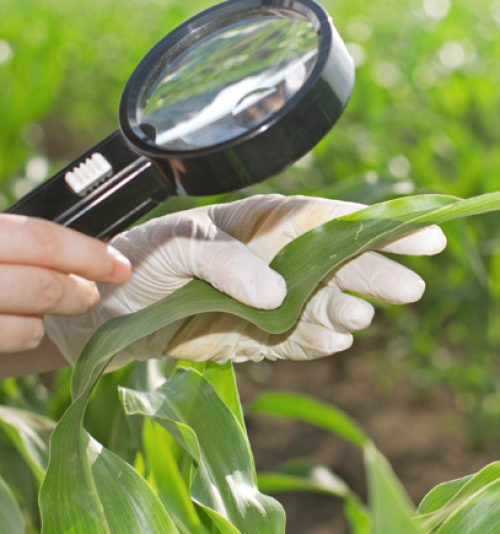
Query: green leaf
(303, 263)
(441, 495)
(223, 380)
(162, 456)
(89, 490)
(302, 408)
(480, 514)
(128, 502)
(444, 500)
(391, 510)
(11, 521)
(224, 481)
(30, 434)
(302, 476)
(357, 516)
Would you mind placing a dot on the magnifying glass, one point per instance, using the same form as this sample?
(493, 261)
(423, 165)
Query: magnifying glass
(229, 98)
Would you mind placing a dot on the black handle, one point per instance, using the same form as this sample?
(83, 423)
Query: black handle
(100, 193)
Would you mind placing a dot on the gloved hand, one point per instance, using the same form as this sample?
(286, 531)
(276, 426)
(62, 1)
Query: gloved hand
(230, 246)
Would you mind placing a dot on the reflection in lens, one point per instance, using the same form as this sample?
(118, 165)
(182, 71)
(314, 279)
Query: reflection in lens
(226, 83)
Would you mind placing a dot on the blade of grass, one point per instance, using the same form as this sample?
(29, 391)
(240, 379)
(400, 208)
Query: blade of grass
(302, 476)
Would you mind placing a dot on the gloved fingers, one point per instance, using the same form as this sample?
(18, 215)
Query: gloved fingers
(305, 341)
(374, 275)
(331, 308)
(167, 255)
(233, 268)
(425, 242)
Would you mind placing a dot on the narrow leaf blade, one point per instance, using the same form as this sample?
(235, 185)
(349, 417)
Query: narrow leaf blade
(391, 510)
(224, 481)
(302, 408)
(11, 520)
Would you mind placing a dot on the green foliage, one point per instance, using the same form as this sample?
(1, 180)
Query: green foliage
(11, 520)
(88, 488)
(422, 118)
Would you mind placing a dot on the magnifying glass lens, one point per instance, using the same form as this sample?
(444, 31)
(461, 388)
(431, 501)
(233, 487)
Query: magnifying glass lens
(226, 78)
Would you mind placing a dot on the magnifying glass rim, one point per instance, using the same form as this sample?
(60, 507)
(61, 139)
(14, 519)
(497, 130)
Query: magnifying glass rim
(133, 88)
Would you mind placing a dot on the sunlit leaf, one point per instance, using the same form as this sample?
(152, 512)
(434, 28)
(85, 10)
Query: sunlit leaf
(358, 517)
(224, 481)
(446, 499)
(303, 476)
(303, 263)
(161, 453)
(480, 514)
(390, 507)
(89, 490)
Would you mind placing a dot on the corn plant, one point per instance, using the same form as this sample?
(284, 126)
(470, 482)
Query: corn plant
(192, 469)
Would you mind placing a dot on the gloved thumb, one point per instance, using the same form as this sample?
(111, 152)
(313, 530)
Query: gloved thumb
(233, 268)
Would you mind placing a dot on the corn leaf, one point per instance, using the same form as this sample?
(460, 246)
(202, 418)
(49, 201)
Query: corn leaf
(480, 514)
(441, 495)
(89, 490)
(30, 434)
(358, 517)
(11, 520)
(223, 380)
(445, 500)
(390, 508)
(302, 476)
(302, 408)
(224, 481)
(303, 263)
(161, 451)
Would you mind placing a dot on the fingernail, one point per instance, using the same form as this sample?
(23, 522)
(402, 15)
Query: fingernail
(121, 265)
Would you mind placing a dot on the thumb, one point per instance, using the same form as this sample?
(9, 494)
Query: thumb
(233, 268)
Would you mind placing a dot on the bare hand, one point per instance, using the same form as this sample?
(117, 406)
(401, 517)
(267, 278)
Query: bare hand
(46, 268)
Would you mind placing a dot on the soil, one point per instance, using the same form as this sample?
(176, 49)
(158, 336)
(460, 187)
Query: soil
(423, 436)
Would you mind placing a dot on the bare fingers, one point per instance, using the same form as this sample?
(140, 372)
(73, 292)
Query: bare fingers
(27, 290)
(20, 332)
(31, 241)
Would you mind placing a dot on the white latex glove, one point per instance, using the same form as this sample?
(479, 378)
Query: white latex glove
(230, 246)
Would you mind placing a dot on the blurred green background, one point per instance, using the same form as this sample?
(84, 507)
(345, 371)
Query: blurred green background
(423, 118)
